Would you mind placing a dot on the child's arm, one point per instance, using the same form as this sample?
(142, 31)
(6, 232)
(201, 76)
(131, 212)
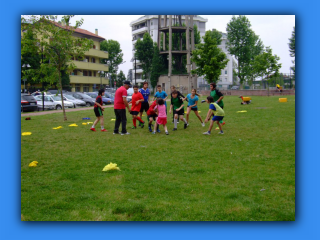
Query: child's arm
(194, 104)
(208, 116)
(180, 107)
(170, 108)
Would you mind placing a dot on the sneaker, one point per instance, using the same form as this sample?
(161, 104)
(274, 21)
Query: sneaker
(167, 133)
(93, 129)
(221, 132)
(203, 124)
(153, 133)
(217, 128)
(206, 133)
(174, 129)
(115, 133)
(150, 130)
(134, 127)
(158, 131)
(125, 133)
(142, 125)
(185, 126)
(104, 130)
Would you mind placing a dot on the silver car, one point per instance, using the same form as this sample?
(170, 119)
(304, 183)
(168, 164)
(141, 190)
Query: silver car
(56, 100)
(76, 102)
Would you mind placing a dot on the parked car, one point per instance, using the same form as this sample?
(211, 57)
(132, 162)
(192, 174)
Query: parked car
(56, 100)
(84, 97)
(55, 91)
(40, 93)
(129, 96)
(109, 95)
(45, 105)
(94, 95)
(28, 103)
(235, 88)
(76, 102)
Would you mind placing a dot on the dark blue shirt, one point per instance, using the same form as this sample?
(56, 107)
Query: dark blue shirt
(145, 93)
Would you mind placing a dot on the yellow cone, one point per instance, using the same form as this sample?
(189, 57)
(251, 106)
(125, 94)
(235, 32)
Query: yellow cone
(110, 166)
(33, 164)
(73, 125)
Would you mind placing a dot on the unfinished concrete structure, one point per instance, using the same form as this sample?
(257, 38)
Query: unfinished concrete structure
(173, 24)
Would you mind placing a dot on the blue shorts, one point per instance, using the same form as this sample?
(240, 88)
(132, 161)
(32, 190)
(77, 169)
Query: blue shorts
(217, 118)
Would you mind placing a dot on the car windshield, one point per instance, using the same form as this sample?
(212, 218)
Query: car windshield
(70, 97)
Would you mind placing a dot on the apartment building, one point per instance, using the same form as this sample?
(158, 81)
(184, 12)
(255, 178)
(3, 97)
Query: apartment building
(149, 23)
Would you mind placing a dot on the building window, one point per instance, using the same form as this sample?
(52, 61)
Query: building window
(77, 87)
(86, 88)
(87, 58)
(89, 73)
(85, 73)
(93, 60)
(151, 23)
(226, 79)
(94, 46)
(94, 73)
(225, 72)
(74, 72)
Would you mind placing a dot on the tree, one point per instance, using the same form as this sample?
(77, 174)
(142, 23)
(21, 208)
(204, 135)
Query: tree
(120, 79)
(115, 54)
(58, 45)
(267, 65)
(241, 40)
(157, 66)
(144, 53)
(209, 58)
(214, 34)
(292, 48)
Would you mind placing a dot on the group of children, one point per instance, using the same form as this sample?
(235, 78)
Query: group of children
(157, 111)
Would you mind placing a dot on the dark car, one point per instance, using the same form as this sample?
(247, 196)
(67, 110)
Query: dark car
(109, 95)
(105, 100)
(84, 97)
(28, 103)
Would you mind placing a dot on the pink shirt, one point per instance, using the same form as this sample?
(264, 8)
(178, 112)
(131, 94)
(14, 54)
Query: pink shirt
(161, 111)
(118, 98)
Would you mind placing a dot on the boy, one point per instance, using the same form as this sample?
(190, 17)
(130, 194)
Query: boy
(217, 97)
(218, 115)
(161, 94)
(145, 104)
(152, 115)
(136, 100)
(178, 108)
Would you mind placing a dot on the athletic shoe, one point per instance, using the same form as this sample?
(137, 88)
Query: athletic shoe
(178, 122)
(203, 124)
(206, 133)
(125, 133)
(142, 125)
(221, 132)
(150, 130)
(153, 133)
(104, 130)
(134, 127)
(167, 133)
(217, 128)
(115, 133)
(158, 131)
(185, 125)
(174, 129)
(93, 129)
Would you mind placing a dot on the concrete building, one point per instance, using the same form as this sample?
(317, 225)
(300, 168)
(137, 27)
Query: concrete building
(149, 23)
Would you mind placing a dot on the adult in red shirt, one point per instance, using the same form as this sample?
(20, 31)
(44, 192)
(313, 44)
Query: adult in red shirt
(120, 105)
(136, 100)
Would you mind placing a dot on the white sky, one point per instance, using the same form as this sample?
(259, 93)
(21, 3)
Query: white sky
(274, 31)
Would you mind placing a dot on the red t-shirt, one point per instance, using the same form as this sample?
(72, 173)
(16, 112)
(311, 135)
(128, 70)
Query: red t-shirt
(151, 109)
(136, 97)
(118, 98)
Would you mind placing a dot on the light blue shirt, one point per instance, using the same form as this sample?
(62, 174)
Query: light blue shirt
(162, 95)
(192, 101)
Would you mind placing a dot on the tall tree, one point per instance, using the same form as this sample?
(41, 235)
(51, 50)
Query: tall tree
(267, 65)
(157, 66)
(214, 34)
(292, 48)
(144, 53)
(241, 41)
(115, 54)
(209, 58)
(120, 79)
(58, 46)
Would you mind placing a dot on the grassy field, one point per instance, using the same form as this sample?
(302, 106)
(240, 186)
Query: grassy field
(247, 174)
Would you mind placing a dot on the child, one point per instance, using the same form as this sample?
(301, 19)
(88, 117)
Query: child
(192, 105)
(162, 116)
(152, 115)
(98, 108)
(218, 115)
(136, 100)
(179, 96)
(178, 108)
(145, 104)
(161, 94)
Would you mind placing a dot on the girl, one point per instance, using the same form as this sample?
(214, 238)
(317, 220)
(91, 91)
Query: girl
(192, 105)
(178, 109)
(98, 109)
(152, 115)
(162, 116)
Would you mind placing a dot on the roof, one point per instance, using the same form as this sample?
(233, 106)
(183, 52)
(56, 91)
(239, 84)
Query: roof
(80, 30)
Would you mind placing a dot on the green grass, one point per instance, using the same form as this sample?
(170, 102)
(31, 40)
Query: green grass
(185, 176)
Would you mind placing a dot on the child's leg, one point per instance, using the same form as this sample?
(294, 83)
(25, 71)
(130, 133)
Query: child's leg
(96, 122)
(155, 126)
(150, 121)
(102, 122)
(139, 119)
(211, 125)
(188, 112)
(134, 120)
(183, 119)
(165, 128)
(219, 124)
(175, 121)
(197, 114)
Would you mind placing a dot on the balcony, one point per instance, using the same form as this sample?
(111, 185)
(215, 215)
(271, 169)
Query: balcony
(88, 80)
(140, 30)
(91, 66)
(97, 53)
(138, 70)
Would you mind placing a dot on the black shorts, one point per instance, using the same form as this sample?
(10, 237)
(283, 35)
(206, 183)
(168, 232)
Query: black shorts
(144, 106)
(180, 112)
(98, 112)
(194, 108)
(153, 116)
(134, 113)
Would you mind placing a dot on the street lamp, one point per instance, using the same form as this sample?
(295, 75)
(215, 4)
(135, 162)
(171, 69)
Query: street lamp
(24, 80)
